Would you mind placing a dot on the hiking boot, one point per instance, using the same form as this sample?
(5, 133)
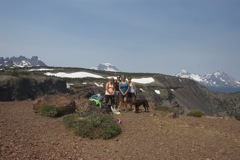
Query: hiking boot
(117, 112)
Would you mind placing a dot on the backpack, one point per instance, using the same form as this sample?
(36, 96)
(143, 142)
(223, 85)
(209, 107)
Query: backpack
(97, 98)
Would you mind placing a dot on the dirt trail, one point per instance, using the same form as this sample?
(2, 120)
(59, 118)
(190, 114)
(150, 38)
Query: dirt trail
(152, 135)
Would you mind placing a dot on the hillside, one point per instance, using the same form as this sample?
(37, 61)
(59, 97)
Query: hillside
(152, 135)
(147, 135)
(189, 94)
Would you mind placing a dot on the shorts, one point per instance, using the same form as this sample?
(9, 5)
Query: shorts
(123, 96)
(131, 95)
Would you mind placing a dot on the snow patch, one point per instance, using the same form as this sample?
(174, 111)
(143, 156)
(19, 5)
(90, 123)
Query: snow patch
(69, 85)
(141, 90)
(143, 80)
(40, 69)
(86, 74)
(222, 79)
(237, 82)
(73, 75)
(99, 85)
(157, 91)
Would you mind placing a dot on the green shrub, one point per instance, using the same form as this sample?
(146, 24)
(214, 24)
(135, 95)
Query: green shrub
(94, 126)
(164, 108)
(69, 120)
(195, 114)
(49, 110)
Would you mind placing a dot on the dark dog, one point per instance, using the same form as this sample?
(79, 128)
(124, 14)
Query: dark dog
(140, 102)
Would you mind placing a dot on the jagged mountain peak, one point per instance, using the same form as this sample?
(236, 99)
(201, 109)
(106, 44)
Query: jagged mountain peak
(21, 61)
(185, 74)
(216, 81)
(221, 74)
(106, 67)
(107, 64)
(220, 78)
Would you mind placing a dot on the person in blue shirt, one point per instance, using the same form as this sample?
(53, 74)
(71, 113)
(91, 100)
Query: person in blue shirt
(123, 88)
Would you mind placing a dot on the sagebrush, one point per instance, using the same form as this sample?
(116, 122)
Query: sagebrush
(49, 110)
(164, 108)
(96, 125)
(196, 114)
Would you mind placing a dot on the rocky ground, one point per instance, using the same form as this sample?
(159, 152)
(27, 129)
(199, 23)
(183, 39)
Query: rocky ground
(152, 135)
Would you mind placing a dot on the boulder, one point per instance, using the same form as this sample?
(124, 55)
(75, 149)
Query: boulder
(87, 90)
(64, 103)
(83, 105)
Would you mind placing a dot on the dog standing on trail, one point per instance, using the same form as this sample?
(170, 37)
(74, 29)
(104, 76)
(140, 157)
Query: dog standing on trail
(139, 102)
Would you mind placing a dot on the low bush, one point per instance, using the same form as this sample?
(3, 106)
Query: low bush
(195, 114)
(164, 108)
(49, 110)
(69, 120)
(97, 125)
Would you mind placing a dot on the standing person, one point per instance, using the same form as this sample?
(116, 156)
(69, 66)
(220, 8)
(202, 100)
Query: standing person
(117, 93)
(132, 92)
(109, 93)
(123, 88)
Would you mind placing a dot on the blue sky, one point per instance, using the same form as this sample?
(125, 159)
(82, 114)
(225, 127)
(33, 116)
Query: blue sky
(157, 36)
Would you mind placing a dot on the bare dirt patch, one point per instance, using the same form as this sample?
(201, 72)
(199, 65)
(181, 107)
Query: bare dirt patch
(147, 135)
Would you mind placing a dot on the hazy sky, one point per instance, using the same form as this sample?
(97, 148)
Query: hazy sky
(157, 36)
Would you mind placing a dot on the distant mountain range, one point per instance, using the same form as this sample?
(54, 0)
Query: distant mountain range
(217, 81)
(106, 67)
(20, 61)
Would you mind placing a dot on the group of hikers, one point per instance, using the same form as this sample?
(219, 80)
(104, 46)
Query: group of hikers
(119, 92)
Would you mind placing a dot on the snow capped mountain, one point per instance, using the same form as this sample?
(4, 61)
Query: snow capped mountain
(106, 67)
(217, 81)
(220, 78)
(20, 61)
(186, 74)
